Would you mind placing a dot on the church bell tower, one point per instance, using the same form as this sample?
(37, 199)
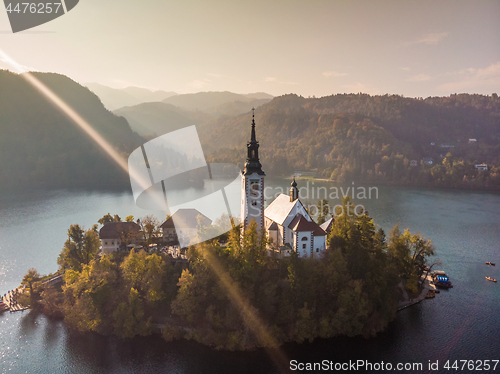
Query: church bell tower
(252, 187)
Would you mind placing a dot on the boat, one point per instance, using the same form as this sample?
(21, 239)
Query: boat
(3, 307)
(430, 295)
(490, 263)
(491, 279)
(442, 281)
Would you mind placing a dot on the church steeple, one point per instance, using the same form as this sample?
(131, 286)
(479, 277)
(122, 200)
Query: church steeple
(294, 192)
(252, 185)
(252, 164)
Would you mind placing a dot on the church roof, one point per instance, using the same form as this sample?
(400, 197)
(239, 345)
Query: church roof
(301, 224)
(274, 226)
(185, 219)
(327, 225)
(280, 208)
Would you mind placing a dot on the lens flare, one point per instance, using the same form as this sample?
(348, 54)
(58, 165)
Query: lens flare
(76, 118)
(248, 312)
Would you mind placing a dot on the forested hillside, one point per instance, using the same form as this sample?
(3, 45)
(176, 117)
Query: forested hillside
(370, 138)
(40, 147)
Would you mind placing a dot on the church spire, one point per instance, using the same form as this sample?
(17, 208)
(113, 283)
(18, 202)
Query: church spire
(294, 192)
(252, 139)
(252, 164)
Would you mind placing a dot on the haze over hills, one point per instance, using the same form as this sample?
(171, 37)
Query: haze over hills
(114, 98)
(205, 100)
(41, 147)
(160, 118)
(382, 139)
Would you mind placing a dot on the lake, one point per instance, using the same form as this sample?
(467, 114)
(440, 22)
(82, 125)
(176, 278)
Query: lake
(459, 324)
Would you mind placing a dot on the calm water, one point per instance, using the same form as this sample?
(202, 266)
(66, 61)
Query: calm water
(457, 325)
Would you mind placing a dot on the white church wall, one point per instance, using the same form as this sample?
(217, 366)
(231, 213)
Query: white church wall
(319, 246)
(304, 243)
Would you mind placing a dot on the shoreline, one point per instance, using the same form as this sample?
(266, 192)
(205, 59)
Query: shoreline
(403, 185)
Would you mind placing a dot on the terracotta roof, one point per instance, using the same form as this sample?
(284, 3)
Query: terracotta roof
(113, 230)
(185, 219)
(301, 224)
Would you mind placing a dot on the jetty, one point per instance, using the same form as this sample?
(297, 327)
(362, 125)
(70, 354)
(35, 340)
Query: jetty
(10, 301)
(428, 286)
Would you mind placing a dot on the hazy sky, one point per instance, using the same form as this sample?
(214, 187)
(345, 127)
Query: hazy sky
(415, 48)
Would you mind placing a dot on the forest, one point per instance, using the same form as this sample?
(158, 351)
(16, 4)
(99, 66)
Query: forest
(385, 139)
(372, 139)
(236, 296)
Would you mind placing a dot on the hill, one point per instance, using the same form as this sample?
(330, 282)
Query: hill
(114, 98)
(206, 100)
(370, 138)
(159, 118)
(41, 147)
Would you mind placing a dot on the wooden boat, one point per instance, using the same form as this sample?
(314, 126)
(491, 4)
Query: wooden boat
(491, 279)
(430, 295)
(3, 307)
(490, 263)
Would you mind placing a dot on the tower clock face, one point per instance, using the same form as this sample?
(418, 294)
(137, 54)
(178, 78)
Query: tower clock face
(254, 188)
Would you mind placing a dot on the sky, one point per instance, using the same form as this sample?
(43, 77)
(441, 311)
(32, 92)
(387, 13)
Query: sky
(311, 48)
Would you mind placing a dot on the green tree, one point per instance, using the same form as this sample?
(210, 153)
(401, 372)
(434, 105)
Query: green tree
(107, 218)
(150, 230)
(80, 247)
(29, 280)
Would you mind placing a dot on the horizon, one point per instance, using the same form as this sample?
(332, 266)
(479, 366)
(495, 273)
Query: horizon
(423, 49)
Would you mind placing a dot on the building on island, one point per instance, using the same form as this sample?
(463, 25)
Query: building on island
(288, 225)
(117, 235)
(481, 167)
(183, 225)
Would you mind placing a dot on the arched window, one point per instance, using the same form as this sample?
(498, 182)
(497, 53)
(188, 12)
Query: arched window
(304, 238)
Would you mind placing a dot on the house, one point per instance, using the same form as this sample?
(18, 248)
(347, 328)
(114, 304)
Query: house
(413, 163)
(183, 226)
(472, 141)
(481, 167)
(287, 223)
(117, 235)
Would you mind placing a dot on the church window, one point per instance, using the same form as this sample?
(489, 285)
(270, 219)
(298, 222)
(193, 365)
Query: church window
(105, 243)
(112, 243)
(304, 246)
(254, 203)
(304, 238)
(317, 249)
(254, 188)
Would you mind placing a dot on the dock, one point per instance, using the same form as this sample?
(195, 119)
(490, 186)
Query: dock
(427, 286)
(9, 300)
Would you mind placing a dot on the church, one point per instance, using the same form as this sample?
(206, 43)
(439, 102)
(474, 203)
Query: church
(287, 223)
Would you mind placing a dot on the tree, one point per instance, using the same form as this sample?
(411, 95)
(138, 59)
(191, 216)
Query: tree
(150, 229)
(29, 279)
(80, 248)
(129, 219)
(323, 211)
(107, 218)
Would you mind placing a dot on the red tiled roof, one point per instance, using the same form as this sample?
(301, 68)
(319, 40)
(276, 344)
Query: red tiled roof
(113, 230)
(301, 224)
